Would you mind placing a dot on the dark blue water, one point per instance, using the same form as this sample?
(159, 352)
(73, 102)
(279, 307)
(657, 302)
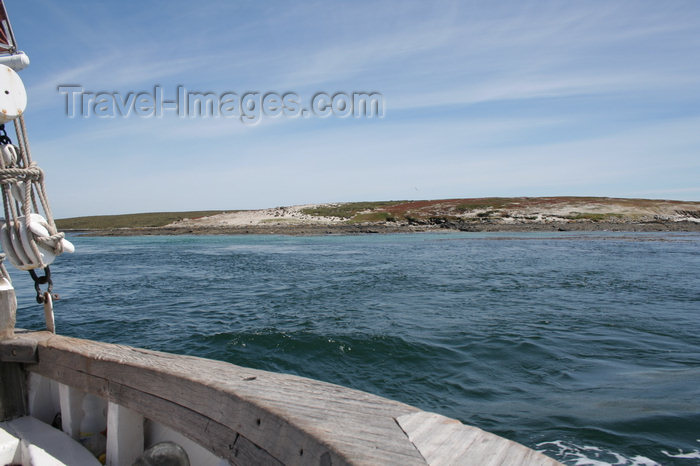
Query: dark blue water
(585, 346)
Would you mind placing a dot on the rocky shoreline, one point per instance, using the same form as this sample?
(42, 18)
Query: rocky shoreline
(520, 214)
(392, 227)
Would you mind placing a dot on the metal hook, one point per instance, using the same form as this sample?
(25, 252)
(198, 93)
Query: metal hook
(4, 138)
(42, 281)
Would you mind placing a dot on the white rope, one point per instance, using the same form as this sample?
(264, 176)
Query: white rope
(3, 270)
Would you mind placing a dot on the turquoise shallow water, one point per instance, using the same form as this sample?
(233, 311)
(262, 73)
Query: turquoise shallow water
(585, 346)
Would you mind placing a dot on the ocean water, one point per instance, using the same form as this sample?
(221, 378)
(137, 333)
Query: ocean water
(584, 346)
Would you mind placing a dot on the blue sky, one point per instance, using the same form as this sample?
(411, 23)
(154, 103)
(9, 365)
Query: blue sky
(483, 98)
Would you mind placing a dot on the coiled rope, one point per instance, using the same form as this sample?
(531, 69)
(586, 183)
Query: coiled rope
(31, 240)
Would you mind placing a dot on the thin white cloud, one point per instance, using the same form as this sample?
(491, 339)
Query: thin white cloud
(515, 87)
(634, 68)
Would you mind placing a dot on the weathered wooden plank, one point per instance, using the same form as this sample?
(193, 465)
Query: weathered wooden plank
(444, 441)
(246, 452)
(290, 434)
(217, 438)
(235, 411)
(13, 385)
(18, 350)
(13, 391)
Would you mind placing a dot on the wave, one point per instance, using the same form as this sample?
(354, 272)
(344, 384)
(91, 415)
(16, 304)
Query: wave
(588, 455)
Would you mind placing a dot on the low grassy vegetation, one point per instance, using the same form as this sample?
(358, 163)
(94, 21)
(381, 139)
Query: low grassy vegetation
(595, 217)
(108, 222)
(466, 205)
(373, 217)
(347, 210)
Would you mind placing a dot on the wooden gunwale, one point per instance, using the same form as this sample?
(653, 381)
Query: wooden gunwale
(251, 416)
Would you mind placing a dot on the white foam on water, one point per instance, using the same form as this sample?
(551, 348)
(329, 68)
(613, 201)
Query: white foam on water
(587, 455)
(691, 455)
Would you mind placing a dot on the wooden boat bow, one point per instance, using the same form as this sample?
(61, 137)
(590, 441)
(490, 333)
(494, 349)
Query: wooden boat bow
(249, 416)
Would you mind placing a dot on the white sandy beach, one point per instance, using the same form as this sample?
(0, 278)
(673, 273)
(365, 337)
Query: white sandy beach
(291, 215)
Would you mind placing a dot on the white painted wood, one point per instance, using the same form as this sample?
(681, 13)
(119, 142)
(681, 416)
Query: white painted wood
(198, 455)
(443, 441)
(10, 452)
(124, 435)
(8, 308)
(93, 425)
(33, 455)
(71, 403)
(41, 444)
(43, 398)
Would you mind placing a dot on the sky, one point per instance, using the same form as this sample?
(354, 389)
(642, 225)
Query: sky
(509, 98)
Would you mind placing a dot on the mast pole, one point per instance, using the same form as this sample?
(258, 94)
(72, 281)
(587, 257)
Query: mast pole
(6, 31)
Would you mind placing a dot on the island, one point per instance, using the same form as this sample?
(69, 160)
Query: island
(562, 213)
